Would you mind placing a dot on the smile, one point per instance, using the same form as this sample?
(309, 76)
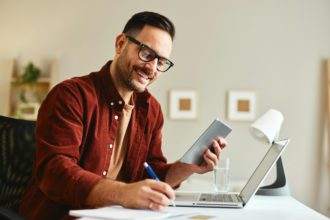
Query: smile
(143, 78)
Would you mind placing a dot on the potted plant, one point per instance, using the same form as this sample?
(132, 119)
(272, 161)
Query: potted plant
(27, 82)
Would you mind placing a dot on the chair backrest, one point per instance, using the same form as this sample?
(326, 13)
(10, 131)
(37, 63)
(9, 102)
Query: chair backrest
(17, 148)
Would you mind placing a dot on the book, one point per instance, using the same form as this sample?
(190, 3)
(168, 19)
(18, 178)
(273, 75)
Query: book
(194, 155)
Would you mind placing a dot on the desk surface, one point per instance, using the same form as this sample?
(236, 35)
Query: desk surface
(258, 208)
(262, 207)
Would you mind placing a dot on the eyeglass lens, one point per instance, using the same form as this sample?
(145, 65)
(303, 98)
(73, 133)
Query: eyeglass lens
(148, 55)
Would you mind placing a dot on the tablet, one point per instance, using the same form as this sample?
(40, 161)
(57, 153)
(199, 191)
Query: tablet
(195, 153)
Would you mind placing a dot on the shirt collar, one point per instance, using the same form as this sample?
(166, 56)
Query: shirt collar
(112, 96)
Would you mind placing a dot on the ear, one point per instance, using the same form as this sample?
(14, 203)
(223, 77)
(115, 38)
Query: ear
(120, 43)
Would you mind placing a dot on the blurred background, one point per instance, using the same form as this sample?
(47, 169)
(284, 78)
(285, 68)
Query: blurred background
(276, 49)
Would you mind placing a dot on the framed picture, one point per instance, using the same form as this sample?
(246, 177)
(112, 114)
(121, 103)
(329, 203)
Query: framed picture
(241, 105)
(183, 104)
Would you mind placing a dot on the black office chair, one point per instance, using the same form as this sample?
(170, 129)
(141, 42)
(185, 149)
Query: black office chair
(17, 148)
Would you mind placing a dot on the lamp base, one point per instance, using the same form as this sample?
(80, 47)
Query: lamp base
(281, 191)
(279, 187)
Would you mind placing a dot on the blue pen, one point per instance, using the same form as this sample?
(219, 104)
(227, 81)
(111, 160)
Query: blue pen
(151, 173)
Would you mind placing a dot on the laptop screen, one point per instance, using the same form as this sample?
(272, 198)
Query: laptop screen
(262, 170)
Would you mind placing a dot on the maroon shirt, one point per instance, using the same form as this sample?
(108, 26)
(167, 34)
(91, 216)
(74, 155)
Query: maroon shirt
(76, 124)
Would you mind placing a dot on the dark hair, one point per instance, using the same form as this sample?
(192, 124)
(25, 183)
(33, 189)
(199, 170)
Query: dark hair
(136, 23)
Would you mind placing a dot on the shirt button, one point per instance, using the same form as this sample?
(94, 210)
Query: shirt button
(104, 173)
(110, 146)
(116, 117)
(120, 102)
(111, 103)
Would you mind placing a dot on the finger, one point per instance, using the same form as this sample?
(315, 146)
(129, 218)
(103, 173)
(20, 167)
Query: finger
(144, 198)
(149, 195)
(157, 198)
(163, 188)
(212, 156)
(222, 142)
(213, 164)
(155, 207)
(217, 148)
(209, 163)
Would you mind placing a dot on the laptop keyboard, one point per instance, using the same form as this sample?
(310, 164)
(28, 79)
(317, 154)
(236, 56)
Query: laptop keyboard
(227, 198)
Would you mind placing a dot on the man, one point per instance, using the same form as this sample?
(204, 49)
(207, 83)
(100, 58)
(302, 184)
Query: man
(95, 132)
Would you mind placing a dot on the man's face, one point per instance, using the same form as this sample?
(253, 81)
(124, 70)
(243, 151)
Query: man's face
(134, 73)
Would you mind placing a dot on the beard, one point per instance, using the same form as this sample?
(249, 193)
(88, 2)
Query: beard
(132, 83)
(136, 77)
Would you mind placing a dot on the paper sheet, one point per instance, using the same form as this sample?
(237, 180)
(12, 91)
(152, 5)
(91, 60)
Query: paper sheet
(120, 213)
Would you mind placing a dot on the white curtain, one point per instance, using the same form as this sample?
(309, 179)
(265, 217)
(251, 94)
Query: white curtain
(324, 182)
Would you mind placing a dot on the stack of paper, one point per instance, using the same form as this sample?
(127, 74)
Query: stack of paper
(120, 213)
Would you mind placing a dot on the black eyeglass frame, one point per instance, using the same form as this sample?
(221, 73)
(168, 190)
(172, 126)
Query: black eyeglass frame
(142, 45)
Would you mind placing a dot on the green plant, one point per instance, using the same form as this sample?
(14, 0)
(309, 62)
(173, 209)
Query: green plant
(27, 82)
(30, 75)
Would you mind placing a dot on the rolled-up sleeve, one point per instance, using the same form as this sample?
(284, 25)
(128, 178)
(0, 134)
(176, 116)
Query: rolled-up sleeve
(59, 135)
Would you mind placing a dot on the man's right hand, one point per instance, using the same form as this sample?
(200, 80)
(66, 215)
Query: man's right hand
(147, 194)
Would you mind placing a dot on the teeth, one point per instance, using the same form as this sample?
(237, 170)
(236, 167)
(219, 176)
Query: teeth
(143, 75)
(145, 78)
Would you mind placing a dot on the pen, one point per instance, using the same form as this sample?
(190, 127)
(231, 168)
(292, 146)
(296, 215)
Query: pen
(151, 173)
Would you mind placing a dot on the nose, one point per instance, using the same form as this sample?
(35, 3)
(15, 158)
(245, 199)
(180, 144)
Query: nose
(152, 65)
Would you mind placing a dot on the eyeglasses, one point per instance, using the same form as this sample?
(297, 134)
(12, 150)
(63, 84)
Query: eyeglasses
(147, 54)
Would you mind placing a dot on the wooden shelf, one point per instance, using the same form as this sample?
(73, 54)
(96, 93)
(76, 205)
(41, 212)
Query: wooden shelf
(24, 99)
(40, 80)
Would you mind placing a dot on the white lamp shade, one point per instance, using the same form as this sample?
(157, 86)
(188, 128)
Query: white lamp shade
(268, 126)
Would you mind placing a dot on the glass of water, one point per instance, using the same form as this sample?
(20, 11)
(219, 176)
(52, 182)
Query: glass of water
(221, 176)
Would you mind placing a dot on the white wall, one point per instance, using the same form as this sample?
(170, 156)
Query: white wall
(275, 47)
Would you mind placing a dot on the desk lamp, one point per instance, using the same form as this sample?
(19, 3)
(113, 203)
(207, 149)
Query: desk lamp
(267, 129)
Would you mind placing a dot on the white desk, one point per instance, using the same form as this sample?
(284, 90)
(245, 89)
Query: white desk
(262, 208)
(258, 208)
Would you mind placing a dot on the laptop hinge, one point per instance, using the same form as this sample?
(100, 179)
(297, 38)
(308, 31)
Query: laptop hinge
(241, 200)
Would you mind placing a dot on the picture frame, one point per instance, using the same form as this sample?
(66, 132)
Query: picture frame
(241, 105)
(183, 104)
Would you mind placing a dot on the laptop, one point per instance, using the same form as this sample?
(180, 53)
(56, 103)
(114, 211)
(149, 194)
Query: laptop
(235, 200)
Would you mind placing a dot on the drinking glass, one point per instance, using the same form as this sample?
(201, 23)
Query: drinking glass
(221, 176)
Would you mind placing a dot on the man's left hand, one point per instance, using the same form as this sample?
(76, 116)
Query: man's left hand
(211, 157)
(181, 171)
